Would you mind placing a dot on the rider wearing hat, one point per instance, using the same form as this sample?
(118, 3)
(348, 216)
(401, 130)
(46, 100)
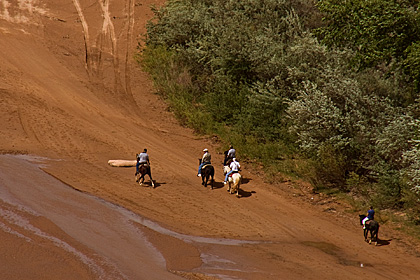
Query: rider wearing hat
(206, 159)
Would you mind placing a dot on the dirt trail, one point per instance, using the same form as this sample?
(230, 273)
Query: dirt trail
(71, 92)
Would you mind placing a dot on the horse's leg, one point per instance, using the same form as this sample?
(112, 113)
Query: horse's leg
(228, 184)
(151, 180)
(372, 236)
(374, 239)
(149, 173)
(207, 179)
(141, 179)
(237, 189)
(212, 182)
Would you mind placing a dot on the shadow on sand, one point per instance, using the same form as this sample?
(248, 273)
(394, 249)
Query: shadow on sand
(382, 242)
(245, 180)
(148, 184)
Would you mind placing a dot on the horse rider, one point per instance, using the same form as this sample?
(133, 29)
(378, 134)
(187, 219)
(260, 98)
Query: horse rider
(142, 158)
(230, 154)
(206, 159)
(234, 168)
(370, 216)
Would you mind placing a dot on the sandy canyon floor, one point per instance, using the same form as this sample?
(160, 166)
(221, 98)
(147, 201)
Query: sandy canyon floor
(72, 98)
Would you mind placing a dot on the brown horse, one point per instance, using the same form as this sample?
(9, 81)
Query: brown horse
(144, 169)
(371, 226)
(207, 171)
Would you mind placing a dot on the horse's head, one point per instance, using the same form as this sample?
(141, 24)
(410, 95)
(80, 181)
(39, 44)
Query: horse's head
(226, 169)
(199, 161)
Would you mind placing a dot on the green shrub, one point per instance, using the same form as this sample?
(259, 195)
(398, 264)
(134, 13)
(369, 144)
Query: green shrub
(250, 72)
(377, 31)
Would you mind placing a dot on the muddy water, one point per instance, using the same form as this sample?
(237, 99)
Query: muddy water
(113, 247)
(102, 236)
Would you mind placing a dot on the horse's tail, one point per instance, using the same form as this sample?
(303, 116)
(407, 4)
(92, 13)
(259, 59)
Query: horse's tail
(375, 231)
(236, 178)
(376, 225)
(212, 171)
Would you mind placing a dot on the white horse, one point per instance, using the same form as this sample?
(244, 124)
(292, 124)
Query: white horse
(234, 181)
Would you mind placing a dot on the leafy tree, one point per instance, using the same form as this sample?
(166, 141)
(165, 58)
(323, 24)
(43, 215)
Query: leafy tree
(411, 159)
(377, 31)
(411, 63)
(253, 72)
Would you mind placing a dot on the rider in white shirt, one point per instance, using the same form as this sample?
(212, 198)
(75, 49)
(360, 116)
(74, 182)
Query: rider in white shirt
(234, 168)
(142, 158)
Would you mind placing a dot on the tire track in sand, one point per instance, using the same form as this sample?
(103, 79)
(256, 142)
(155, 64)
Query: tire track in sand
(94, 58)
(85, 35)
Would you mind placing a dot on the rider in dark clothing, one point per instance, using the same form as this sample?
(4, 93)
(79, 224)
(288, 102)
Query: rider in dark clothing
(370, 216)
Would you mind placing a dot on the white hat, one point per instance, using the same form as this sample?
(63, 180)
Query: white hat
(205, 150)
(234, 159)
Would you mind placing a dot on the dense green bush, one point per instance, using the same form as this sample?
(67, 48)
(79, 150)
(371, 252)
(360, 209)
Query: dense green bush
(252, 72)
(411, 63)
(383, 34)
(376, 30)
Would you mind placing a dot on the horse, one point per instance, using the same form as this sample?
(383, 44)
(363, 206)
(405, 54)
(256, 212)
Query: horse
(207, 171)
(144, 169)
(371, 226)
(234, 181)
(227, 160)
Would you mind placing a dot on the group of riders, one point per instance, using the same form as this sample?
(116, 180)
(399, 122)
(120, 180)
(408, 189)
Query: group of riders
(230, 160)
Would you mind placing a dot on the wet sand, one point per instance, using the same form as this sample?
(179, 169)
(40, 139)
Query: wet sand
(102, 237)
(107, 240)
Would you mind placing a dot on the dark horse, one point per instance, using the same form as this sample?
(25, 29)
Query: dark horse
(227, 160)
(206, 172)
(371, 226)
(144, 169)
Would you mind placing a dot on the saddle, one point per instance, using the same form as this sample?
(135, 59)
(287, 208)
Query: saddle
(205, 165)
(233, 172)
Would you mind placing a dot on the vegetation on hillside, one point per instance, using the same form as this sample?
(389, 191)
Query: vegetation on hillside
(335, 101)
